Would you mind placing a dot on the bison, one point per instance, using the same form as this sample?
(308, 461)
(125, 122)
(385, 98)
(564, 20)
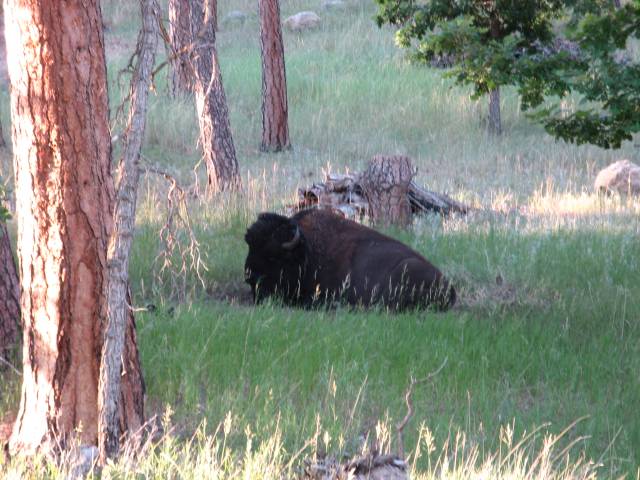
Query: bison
(319, 257)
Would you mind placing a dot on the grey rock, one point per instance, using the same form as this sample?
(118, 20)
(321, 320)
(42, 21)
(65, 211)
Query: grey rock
(621, 177)
(234, 17)
(302, 21)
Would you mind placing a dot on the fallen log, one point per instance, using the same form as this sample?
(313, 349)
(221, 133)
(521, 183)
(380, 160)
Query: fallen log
(344, 193)
(423, 200)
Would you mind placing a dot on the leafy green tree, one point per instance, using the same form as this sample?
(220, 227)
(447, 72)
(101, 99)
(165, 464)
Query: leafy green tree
(605, 78)
(485, 37)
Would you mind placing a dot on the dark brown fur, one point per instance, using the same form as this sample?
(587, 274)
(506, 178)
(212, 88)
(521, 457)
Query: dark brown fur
(338, 259)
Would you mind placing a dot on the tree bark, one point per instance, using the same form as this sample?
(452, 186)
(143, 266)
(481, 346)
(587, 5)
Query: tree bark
(65, 196)
(121, 239)
(3, 54)
(211, 103)
(275, 126)
(181, 75)
(2, 141)
(9, 297)
(385, 184)
(495, 122)
(214, 14)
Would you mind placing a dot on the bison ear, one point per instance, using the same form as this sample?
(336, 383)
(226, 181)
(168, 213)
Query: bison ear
(265, 216)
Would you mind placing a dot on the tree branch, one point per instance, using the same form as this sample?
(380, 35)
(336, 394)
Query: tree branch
(407, 398)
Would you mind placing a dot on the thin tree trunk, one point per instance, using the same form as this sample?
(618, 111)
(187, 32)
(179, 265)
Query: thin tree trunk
(121, 238)
(495, 123)
(211, 103)
(9, 297)
(3, 54)
(275, 126)
(65, 196)
(2, 141)
(181, 74)
(214, 14)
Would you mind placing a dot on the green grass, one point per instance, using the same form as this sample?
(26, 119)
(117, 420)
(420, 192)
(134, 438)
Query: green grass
(546, 332)
(558, 340)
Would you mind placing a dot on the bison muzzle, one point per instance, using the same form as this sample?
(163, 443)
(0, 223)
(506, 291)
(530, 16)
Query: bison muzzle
(319, 257)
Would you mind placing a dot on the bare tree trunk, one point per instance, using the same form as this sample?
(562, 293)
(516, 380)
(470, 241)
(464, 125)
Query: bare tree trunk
(275, 126)
(121, 238)
(617, 4)
(211, 103)
(181, 75)
(2, 141)
(65, 196)
(9, 297)
(495, 123)
(214, 14)
(385, 184)
(3, 54)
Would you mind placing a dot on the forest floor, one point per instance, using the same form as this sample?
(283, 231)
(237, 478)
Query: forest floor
(544, 344)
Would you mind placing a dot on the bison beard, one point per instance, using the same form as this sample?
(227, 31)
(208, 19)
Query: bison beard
(318, 257)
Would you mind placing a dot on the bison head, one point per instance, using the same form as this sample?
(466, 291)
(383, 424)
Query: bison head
(276, 256)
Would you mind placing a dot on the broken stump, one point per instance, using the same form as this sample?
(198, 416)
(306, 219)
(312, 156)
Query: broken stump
(385, 184)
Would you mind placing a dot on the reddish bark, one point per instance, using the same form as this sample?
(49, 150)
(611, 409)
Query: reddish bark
(65, 198)
(386, 184)
(275, 126)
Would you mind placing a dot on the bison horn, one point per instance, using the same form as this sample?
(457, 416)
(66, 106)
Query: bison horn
(293, 243)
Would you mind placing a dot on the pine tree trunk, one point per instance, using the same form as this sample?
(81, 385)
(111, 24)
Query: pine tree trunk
(386, 184)
(275, 127)
(495, 123)
(214, 14)
(2, 141)
(181, 75)
(9, 297)
(121, 239)
(65, 197)
(211, 103)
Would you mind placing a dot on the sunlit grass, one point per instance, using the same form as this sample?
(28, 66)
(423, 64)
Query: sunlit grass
(203, 455)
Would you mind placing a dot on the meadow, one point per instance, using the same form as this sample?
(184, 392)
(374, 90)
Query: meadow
(542, 350)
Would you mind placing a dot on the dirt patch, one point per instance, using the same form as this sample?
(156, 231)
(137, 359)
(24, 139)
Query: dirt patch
(235, 293)
(501, 294)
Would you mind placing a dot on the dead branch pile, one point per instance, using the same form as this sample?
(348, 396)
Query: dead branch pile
(370, 467)
(344, 193)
